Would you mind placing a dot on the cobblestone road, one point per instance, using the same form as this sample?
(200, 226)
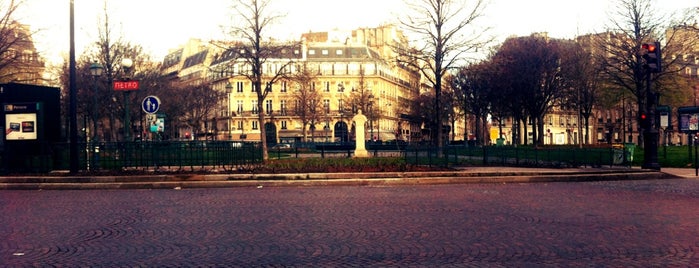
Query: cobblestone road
(652, 223)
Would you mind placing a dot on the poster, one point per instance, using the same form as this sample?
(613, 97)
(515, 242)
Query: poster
(20, 126)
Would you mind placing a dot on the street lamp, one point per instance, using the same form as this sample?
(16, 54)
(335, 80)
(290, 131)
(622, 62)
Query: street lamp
(96, 71)
(371, 116)
(229, 90)
(127, 64)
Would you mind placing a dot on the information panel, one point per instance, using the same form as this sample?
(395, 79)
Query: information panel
(20, 121)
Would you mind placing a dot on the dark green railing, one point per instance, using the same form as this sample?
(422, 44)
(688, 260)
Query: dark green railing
(159, 155)
(550, 156)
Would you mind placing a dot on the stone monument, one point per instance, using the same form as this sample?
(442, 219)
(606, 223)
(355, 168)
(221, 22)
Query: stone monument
(360, 148)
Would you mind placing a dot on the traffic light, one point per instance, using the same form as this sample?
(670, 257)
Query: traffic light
(651, 53)
(644, 120)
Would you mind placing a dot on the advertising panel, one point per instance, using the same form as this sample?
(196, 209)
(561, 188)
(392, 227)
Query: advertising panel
(20, 122)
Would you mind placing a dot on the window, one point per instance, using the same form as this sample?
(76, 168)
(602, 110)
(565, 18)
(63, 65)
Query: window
(268, 106)
(254, 107)
(284, 125)
(324, 52)
(340, 87)
(239, 106)
(338, 52)
(313, 86)
(326, 106)
(340, 105)
(327, 86)
(283, 86)
(255, 124)
(240, 125)
(311, 52)
(239, 86)
(282, 108)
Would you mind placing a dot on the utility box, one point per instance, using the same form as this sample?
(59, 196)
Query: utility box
(31, 116)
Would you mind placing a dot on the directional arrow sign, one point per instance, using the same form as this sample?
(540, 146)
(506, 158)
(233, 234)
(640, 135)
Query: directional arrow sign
(150, 104)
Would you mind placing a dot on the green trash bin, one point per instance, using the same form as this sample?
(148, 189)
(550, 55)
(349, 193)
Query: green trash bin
(500, 141)
(628, 149)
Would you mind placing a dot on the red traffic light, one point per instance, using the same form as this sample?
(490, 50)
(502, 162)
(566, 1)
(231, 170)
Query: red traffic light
(643, 116)
(649, 47)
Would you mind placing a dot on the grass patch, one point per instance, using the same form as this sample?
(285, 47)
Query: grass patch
(374, 164)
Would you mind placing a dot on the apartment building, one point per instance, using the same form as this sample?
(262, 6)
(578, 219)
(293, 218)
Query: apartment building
(20, 60)
(346, 65)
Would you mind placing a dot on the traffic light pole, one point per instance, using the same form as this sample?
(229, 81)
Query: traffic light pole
(650, 133)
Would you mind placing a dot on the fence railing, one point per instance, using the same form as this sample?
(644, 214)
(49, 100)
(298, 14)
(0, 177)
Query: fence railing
(553, 156)
(160, 155)
(233, 155)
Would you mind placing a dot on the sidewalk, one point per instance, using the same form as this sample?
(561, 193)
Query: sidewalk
(461, 175)
(681, 172)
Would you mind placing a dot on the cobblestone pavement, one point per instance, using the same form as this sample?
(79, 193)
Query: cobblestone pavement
(649, 223)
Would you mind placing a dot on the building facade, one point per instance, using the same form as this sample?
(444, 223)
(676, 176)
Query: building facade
(19, 60)
(351, 71)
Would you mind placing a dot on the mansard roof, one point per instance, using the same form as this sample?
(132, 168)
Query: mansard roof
(195, 59)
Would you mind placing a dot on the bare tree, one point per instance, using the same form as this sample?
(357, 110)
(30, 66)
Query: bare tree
(633, 23)
(109, 52)
(472, 89)
(439, 29)
(361, 98)
(583, 78)
(530, 76)
(196, 109)
(306, 98)
(266, 61)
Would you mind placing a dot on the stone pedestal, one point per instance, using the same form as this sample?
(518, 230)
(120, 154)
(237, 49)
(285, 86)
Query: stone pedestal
(360, 139)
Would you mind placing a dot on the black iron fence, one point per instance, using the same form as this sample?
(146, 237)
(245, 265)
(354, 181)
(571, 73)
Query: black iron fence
(233, 155)
(160, 155)
(548, 156)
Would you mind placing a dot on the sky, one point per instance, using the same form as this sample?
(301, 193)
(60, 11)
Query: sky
(160, 25)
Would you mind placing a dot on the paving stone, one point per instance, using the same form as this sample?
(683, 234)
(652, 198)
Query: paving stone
(646, 223)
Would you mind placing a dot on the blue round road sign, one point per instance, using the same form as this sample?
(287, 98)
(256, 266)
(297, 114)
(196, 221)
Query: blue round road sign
(151, 104)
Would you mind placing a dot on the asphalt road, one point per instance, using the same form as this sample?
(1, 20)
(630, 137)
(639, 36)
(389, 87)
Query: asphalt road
(645, 223)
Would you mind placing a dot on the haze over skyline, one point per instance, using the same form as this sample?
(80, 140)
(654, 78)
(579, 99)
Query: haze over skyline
(159, 26)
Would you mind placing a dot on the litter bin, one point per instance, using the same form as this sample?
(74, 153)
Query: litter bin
(629, 148)
(500, 141)
(617, 154)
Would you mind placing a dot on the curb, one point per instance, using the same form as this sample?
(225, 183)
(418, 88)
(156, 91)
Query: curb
(323, 179)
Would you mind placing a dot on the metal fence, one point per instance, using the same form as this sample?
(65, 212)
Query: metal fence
(550, 156)
(233, 155)
(160, 155)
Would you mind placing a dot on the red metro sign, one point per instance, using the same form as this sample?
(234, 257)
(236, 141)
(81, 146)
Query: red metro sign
(126, 85)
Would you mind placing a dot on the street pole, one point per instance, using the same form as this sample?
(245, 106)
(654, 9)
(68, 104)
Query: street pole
(73, 122)
(650, 134)
(127, 117)
(96, 71)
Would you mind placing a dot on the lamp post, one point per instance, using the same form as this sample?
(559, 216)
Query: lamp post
(73, 118)
(127, 64)
(371, 117)
(96, 71)
(229, 90)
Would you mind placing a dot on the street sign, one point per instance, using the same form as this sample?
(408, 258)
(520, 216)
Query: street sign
(150, 104)
(126, 85)
(688, 118)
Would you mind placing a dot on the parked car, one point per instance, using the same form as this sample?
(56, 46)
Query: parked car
(281, 146)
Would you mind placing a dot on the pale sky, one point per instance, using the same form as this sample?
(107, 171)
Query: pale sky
(159, 25)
